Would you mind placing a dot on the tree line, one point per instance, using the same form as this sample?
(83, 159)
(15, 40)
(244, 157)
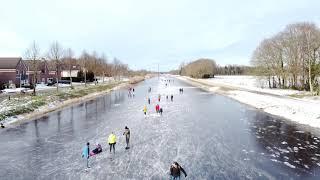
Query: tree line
(290, 58)
(97, 65)
(206, 68)
(233, 70)
(201, 68)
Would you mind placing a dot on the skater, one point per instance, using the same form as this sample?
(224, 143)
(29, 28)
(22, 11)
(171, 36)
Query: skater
(85, 153)
(175, 171)
(112, 142)
(167, 97)
(97, 150)
(171, 97)
(2, 126)
(145, 110)
(157, 108)
(161, 111)
(149, 89)
(127, 134)
(149, 101)
(159, 97)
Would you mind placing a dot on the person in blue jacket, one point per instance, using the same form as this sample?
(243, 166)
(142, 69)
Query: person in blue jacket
(86, 153)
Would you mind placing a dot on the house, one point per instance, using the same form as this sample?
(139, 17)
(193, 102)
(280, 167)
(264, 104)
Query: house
(53, 71)
(70, 70)
(12, 71)
(43, 74)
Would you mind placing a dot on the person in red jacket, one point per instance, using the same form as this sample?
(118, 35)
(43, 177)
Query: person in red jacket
(157, 108)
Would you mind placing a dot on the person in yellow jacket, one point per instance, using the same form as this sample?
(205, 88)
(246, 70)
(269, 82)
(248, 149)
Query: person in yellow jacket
(145, 110)
(112, 142)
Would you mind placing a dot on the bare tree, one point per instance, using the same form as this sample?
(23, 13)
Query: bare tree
(33, 53)
(292, 56)
(69, 58)
(84, 61)
(56, 54)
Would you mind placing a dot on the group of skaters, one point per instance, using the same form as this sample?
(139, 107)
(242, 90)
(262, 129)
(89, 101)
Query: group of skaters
(131, 92)
(112, 140)
(175, 168)
(159, 109)
(181, 90)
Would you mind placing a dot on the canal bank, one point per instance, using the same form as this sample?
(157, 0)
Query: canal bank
(295, 109)
(26, 107)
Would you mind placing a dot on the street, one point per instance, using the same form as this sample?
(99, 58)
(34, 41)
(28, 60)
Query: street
(210, 136)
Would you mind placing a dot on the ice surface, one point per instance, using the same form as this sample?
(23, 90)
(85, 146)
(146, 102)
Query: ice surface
(211, 136)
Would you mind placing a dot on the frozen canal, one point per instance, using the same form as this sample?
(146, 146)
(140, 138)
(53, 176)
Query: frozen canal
(211, 136)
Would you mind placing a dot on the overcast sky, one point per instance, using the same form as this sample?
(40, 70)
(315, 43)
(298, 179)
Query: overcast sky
(143, 33)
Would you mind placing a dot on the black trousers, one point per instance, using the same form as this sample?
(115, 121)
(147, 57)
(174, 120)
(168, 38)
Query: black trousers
(112, 146)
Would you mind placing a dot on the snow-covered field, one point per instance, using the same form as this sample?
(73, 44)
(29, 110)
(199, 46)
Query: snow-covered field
(247, 89)
(251, 83)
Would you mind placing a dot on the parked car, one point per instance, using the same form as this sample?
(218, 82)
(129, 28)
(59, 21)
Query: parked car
(64, 81)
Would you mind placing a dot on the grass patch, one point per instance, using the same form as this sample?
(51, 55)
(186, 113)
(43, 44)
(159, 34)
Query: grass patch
(21, 104)
(300, 95)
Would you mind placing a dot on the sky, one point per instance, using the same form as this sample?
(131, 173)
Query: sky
(145, 33)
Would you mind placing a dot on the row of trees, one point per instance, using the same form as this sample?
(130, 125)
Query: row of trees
(201, 68)
(233, 70)
(60, 57)
(204, 68)
(291, 58)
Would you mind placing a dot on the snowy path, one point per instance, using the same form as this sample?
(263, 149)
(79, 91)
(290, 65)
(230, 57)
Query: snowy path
(211, 136)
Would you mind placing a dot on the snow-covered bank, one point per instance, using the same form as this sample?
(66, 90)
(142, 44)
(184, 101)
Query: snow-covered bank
(50, 102)
(276, 102)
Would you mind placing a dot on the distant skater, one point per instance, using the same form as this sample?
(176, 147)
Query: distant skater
(159, 97)
(149, 101)
(171, 97)
(127, 134)
(157, 108)
(86, 153)
(112, 142)
(161, 111)
(145, 110)
(175, 171)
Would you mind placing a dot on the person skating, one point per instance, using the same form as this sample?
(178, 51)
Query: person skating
(112, 142)
(167, 97)
(157, 108)
(175, 171)
(86, 153)
(127, 134)
(97, 150)
(145, 110)
(149, 101)
(171, 97)
(159, 97)
(161, 111)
